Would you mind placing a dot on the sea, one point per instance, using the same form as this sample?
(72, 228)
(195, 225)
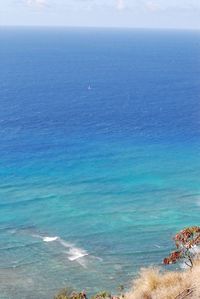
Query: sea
(99, 154)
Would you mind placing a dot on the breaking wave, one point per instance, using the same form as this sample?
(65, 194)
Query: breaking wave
(73, 253)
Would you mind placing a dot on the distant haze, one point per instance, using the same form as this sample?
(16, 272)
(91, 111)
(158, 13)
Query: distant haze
(102, 13)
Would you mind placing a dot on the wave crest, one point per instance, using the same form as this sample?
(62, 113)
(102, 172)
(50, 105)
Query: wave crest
(74, 253)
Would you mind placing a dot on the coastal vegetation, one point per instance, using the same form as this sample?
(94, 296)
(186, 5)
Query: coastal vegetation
(187, 242)
(153, 283)
(69, 294)
(157, 283)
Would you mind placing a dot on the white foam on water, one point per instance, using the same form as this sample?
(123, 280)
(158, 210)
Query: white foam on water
(76, 253)
(64, 243)
(50, 239)
(73, 253)
(157, 246)
(45, 238)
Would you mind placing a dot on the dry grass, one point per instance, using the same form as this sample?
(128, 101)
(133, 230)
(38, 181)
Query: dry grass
(152, 284)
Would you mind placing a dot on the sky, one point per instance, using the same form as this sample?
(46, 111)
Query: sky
(179, 14)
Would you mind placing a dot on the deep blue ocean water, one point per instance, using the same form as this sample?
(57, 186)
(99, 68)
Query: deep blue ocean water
(99, 154)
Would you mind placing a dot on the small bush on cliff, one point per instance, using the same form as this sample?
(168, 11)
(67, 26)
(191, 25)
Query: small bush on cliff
(102, 295)
(70, 294)
(186, 242)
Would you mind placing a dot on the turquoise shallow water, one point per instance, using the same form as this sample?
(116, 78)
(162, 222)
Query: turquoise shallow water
(94, 182)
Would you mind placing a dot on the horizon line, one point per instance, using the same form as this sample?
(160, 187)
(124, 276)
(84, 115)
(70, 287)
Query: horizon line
(98, 27)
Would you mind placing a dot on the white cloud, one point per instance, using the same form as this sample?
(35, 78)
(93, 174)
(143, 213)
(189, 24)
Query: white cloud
(37, 3)
(120, 4)
(152, 6)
